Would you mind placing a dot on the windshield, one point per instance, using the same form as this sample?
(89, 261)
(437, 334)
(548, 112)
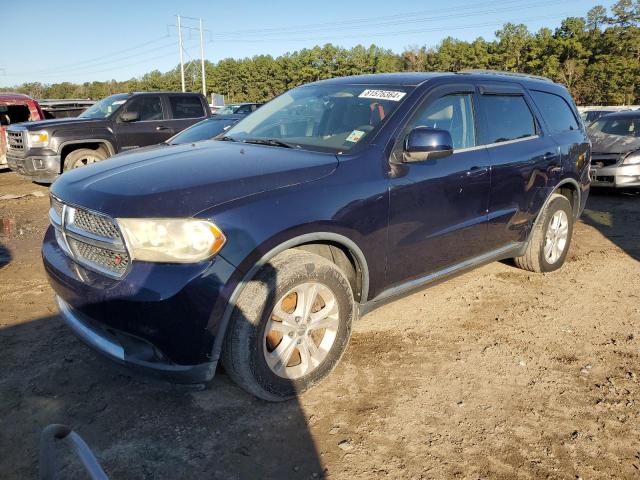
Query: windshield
(621, 126)
(204, 130)
(105, 107)
(329, 118)
(228, 110)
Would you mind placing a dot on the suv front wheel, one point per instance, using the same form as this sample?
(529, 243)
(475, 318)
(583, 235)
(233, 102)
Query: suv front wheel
(549, 243)
(290, 326)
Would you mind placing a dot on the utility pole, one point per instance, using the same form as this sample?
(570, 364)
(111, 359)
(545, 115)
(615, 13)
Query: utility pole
(181, 57)
(204, 83)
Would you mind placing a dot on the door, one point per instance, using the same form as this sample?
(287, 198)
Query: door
(149, 129)
(185, 110)
(438, 207)
(524, 162)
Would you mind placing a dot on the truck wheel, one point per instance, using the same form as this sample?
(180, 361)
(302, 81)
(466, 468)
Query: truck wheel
(549, 243)
(291, 325)
(81, 157)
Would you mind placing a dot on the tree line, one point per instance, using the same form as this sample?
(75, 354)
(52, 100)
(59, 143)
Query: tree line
(597, 57)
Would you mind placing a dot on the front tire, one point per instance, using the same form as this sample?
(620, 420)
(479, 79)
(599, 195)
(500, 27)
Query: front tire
(549, 243)
(290, 327)
(82, 157)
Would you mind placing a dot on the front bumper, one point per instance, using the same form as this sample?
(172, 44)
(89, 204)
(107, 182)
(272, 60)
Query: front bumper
(38, 168)
(617, 176)
(156, 319)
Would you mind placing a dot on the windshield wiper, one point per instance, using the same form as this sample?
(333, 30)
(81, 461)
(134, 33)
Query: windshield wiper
(270, 141)
(225, 138)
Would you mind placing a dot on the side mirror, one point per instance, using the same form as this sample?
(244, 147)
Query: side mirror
(129, 116)
(423, 143)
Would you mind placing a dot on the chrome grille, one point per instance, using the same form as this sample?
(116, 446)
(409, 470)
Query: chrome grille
(16, 139)
(116, 262)
(91, 239)
(96, 224)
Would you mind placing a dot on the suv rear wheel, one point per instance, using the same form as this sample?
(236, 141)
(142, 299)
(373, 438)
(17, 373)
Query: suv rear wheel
(290, 326)
(549, 243)
(83, 156)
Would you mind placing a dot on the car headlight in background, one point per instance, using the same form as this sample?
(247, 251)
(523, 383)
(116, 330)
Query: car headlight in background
(38, 139)
(171, 240)
(632, 159)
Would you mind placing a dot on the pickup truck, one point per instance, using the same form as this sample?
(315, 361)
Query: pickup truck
(15, 108)
(43, 150)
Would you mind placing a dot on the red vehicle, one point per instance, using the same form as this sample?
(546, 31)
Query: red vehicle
(15, 108)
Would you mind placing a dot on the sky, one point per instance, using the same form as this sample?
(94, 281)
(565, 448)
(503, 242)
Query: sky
(86, 40)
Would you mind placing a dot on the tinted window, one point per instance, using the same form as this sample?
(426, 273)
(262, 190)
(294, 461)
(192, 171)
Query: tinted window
(245, 109)
(556, 111)
(149, 107)
(508, 118)
(186, 107)
(453, 113)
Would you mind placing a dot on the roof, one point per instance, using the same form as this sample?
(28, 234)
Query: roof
(413, 79)
(624, 113)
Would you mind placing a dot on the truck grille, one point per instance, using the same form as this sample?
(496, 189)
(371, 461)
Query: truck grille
(91, 239)
(16, 139)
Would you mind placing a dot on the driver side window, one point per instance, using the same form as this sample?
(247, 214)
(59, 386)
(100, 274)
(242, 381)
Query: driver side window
(453, 113)
(149, 107)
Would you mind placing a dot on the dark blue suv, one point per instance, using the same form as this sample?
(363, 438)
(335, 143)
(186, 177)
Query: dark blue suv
(261, 247)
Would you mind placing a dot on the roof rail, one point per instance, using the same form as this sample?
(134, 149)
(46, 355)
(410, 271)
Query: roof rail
(508, 74)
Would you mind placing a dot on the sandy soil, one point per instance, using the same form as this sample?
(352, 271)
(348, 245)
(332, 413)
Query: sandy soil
(495, 374)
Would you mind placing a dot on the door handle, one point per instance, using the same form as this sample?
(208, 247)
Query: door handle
(161, 128)
(548, 155)
(477, 171)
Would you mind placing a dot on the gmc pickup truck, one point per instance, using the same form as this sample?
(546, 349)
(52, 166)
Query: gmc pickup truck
(43, 150)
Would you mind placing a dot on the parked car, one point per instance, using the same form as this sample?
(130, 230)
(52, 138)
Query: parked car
(64, 108)
(262, 247)
(615, 161)
(15, 108)
(206, 129)
(43, 150)
(238, 109)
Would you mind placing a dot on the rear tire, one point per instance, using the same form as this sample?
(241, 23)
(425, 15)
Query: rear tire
(83, 156)
(267, 349)
(550, 240)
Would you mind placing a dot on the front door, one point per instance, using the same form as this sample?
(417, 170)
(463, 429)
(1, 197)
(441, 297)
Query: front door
(438, 207)
(150, 127)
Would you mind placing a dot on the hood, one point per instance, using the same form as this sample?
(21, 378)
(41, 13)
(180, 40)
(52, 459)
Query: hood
(605, 143)
(56, 122)
(182, 180)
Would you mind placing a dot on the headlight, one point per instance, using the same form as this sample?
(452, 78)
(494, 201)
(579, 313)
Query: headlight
(38, 139)
(632, 159)
(171, 240)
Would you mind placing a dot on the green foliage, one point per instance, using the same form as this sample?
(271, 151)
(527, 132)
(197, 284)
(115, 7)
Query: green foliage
(596, 57)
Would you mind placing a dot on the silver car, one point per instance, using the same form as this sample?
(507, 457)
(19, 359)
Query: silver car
(615, 158)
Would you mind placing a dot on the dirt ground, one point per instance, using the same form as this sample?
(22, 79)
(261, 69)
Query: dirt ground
(495, 374)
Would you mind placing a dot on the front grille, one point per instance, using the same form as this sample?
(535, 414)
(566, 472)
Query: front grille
(116, 262)
(91, 239)
(605, 159)
(96, 224)
(16, 139)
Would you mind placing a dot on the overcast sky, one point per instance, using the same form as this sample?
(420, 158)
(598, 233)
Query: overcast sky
(89, 40)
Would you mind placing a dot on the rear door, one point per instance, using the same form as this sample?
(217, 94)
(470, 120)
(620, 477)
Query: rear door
(184, 111)
(437, 214)
(150, 128)
(524, 161)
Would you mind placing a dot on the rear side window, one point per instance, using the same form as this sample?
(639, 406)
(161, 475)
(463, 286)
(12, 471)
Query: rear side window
(508, 117)
(556, 111)
(186, 106)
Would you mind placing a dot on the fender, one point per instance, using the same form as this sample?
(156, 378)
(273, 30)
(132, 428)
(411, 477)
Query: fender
(103, 141)
(291, 243)
(576, 207)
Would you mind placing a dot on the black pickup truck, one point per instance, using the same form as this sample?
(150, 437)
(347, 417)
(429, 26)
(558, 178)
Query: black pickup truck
(43, 150)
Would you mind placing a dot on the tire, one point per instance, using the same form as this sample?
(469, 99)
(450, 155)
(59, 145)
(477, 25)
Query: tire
(547, 231)
(83, 156)
(252, 344)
